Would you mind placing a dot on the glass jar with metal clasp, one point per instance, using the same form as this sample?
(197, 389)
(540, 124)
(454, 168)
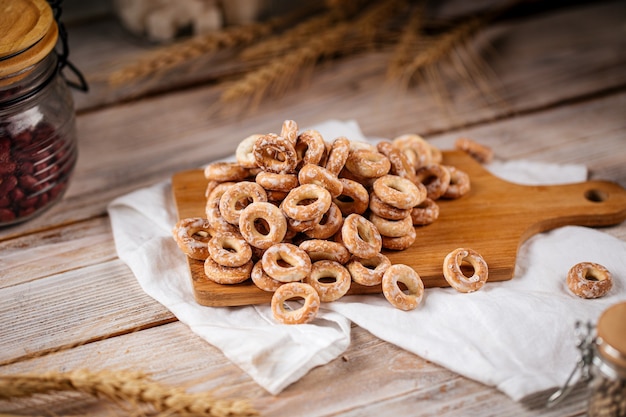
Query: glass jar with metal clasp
(602, 365)
(38, 145)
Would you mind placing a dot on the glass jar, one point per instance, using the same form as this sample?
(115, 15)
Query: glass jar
(38, 148)
(608, 373)
(602, 365)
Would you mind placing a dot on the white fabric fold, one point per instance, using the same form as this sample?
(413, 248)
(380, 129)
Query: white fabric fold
(517, 335)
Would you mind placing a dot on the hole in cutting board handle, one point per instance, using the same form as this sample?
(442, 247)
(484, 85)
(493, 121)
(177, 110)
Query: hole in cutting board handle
(595, 195)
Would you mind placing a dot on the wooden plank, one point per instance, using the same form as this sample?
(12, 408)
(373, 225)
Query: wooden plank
(34, 256)
(100, 300)
(370, 375)
(494, 218)
(579, 51)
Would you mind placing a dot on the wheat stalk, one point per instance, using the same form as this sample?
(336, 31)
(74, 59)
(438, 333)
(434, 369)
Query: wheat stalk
(169, 57)
(276, 75)
(407, 43)
(127, 387)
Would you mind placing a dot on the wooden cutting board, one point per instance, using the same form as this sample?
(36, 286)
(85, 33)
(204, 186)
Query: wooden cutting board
(494, 218)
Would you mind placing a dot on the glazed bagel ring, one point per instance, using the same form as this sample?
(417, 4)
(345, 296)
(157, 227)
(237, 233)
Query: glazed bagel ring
(354, 197)
(400, 165)
(275, 154)
(318, 199)
(276, 182)
(245, 152)
(297, 261)
(237, 197)
(315, 174)
(310, 147)
(330, 224)
(398, 192)
(320, 249)
(225, 171)
(425, 213)
(338, 155)
(273, 219)
(392, 228)
(360, 236)
(384, 210)
(300, 226)
(289, 131)
(456, 278)
(479, 152)
(415, 148)
(229, 249)
(392, 292)
(262, 280)
(212, 208)
(589, 280)
(401, 242)
(329, 291)
(459, 183)
(368, 271)
(192, 236)
(227, 274)
(436, 178)
(368, 164)
(293, 290)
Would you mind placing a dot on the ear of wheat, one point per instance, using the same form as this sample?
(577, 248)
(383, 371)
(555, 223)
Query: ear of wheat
(125, 388)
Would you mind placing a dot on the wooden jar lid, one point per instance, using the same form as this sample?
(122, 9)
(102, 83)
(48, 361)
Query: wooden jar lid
(611, 330)
(28, 33)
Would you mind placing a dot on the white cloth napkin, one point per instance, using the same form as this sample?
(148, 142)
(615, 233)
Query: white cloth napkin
(517, 335)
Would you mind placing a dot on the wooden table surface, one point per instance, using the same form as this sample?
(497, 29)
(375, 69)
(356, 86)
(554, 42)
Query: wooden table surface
(558, 95)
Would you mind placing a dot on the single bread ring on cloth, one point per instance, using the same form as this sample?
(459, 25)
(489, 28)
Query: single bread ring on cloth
(296, 261)
(267, 217)
(459, 183)
(244, 152)
(306, 202)
(398, 192)
(319, 249)
(387, 211)
(289, 131)
(479, 152)
(275, 154)
(237, 197)
(310, 147)
(425, 212)
(262, 280)
(392, 292)
(354, 197)
(436, 178)
(321, 271)
(315, 174)
(292, 290)
(400, 242)
(229, 249)
(330, 224)
(415, 148)
(392, 228)
(454, 275)
(400, 164)
(360, 236)
(276, 182)
(368, 164)
(192, 236)
(227, 274)
(589, 280)
(225, 171)
(368, 271)
(338, 154)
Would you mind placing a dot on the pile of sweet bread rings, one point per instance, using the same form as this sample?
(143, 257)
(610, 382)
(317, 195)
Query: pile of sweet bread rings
(304, 217)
